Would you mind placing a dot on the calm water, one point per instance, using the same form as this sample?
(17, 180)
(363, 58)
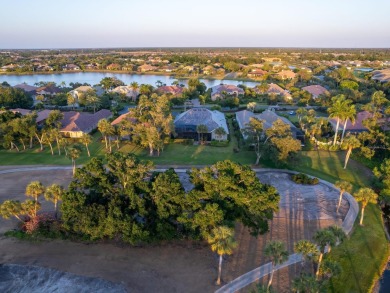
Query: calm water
(95, 77)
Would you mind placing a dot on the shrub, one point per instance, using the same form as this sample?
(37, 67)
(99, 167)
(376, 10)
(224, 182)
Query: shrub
(304, 179)
(216, 143)
(184, 141)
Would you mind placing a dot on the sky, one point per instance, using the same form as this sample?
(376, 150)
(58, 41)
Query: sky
(28, 24)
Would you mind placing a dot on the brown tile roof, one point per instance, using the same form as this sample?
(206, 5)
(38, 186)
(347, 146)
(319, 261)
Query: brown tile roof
(49, 89)
(42, 115)
(85, 122)
(27, 88)
(357, 126)
(315, 90)
(170, 89)
(121, 118)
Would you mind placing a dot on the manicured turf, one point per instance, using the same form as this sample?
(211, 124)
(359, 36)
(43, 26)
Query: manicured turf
(363, 256)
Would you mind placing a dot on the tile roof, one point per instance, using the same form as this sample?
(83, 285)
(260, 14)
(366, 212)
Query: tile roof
(170, 89)
(357, 126)
(27, 88)
(197, 116)
(80, 121)
(315, 90)
(226, 88)
(268, 116)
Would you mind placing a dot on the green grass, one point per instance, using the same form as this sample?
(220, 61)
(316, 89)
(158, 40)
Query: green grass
(363, 256)
(36, 157)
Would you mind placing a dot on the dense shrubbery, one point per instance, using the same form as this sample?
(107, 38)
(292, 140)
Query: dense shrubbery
(124, 200)
(216, 143)
(304, 179)
(183, 141)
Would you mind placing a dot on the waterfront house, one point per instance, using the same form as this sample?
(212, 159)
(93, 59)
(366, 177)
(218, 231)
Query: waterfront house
(223, 90)
(186, 124)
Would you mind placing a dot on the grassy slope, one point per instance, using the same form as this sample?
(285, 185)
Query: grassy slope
(366, 252)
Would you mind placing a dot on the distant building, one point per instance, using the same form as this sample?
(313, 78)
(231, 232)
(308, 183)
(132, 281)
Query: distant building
(126, 90)
(187, 122)
(146, 68)
(71, 67)
(256, 73)
(218, 91)
(173, 90)
(286, 74)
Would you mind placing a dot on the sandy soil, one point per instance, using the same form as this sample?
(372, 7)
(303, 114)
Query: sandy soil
(173, 267)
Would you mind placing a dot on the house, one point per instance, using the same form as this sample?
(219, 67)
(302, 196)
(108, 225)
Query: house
(79, 91)
(75, 124)
(187, 122)
(274, 89)
(173, 90)
(356, 127)
(219, 91)
(114, 66)
(27, 88)
(41, 115)
(286, 74)
(127, 90)
(70, 67)
(381, 75)
(9, 67)
(255, 73)
(146, 68)
(315, 90)
(268, 117)
(48, 90)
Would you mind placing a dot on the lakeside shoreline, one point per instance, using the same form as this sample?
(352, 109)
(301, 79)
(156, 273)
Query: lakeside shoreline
(174, 76)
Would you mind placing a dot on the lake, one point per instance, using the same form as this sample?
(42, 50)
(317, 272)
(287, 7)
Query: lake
(95, 77)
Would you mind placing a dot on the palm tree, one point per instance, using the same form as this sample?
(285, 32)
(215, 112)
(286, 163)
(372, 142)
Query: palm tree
(337, 110)
(219, 132)
(35, 189)
(94, 101)
(339, 233)
(106, 129)
(221, 240)
(54, 193)
(306, 283)
(307, 249)
(350, 143)
(344, 186)
(71, 100)
(74, 154)
(135, 87)
(278, 254)
(301, 112)
(349, 115)
(86, 139)
(365, 196)
(200, 129)
(11, 208)
(323, 238)
(329, 268)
